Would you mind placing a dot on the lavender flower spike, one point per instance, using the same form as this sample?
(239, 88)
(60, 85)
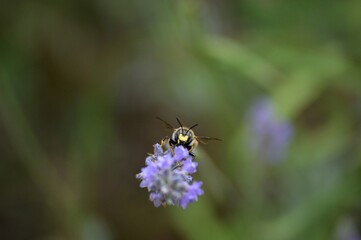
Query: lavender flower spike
(269, 135)
(167, 176)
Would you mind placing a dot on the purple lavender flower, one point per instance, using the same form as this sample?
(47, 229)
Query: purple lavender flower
(269, 135)
(346, 229)
(167, 177)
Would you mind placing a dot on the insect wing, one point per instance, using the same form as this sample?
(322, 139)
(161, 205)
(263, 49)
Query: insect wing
(205, 140)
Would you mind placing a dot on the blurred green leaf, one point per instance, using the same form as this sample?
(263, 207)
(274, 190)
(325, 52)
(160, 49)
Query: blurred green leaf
(193, 221)
(236, 57)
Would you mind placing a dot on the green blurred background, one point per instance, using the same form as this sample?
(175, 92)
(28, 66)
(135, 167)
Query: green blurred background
(82, 81)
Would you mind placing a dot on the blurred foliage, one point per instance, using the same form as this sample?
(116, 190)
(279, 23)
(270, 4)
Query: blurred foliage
(81, 83)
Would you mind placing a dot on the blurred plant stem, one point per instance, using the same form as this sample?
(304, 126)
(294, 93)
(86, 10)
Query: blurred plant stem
(60, 198)
(189, 222)
(316, 209)
(219, 185)
(88, 141)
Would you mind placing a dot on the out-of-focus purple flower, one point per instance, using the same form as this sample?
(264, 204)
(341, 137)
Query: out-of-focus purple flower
(167, 176)
(347, 230)
(269, 136)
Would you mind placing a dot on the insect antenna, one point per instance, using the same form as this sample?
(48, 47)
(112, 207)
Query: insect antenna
(195, 125)
(168, 125)
(180, 124)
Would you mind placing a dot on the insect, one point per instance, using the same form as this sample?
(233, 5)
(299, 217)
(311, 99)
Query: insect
(184, 136)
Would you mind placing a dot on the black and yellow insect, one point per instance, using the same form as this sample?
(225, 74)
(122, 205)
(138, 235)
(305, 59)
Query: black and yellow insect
(184, 136)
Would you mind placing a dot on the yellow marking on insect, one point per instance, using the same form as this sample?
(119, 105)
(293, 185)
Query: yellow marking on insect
(182, 138)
